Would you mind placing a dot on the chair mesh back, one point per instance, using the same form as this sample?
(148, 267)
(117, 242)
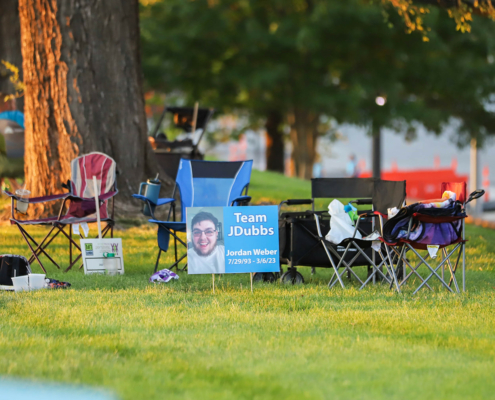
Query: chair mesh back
(459, 188)
(385, 194)
(82, 171)
(211, 183)
(342, 188)
(94, 164)
(388, 194)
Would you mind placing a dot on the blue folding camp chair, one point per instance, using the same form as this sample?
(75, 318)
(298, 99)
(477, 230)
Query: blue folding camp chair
(200, 184)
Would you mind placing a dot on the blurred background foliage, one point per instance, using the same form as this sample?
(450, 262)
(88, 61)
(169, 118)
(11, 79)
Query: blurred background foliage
(292, 63)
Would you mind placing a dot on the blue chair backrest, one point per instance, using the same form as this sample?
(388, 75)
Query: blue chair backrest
(211, 183)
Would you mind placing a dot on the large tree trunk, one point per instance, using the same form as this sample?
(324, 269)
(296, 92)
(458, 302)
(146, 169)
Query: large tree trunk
(275, 143)
(10, 45)
(303, 135)
(83, 81)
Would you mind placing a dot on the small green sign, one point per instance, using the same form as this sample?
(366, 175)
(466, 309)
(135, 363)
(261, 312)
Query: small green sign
(89, 246)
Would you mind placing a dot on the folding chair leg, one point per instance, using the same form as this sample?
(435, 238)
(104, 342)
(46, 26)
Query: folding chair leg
(175, 264)
(32, 250)
(157, 260)
(333, 266)
(414, 270)
(400, 261)
(347, 266)
(453, 270)
(373, 273)
(402, 256)
(394, 275)
(331, 280)
(70, 245)
(40, 249)
(374, 259)
(74, 263)
(185, 267)
(463, 257)
(176, 238)
(456, 266)
(71, 240)
(433, 271)
(175, 246)
(105, 231)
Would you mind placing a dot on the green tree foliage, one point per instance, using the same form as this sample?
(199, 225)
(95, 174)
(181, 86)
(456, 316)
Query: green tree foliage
(307, 58)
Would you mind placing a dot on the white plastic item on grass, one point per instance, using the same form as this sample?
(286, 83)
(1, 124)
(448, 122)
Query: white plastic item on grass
(111, 265)
(36, 281)
(21, 283)
(341, 226)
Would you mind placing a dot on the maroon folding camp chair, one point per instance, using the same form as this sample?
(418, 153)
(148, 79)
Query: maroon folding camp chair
(441, 230)
(78, 206)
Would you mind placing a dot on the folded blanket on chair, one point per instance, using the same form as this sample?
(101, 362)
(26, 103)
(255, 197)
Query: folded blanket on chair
(442, 233)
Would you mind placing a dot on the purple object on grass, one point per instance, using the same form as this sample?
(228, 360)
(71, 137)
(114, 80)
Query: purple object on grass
(164, 275)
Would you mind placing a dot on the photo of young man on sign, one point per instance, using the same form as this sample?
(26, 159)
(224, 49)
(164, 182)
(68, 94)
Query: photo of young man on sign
(232, 240)
(205, 248)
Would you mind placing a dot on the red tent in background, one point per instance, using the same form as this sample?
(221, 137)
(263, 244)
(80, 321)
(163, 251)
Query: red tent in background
(421, 183)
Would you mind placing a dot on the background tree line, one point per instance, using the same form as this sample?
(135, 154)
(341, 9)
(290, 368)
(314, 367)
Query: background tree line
(291, 62)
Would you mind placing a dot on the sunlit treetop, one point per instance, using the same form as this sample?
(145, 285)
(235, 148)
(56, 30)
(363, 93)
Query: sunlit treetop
(461, 11)
(412, 11)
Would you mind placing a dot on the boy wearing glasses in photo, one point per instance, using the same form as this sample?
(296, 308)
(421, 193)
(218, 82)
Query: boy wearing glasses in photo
(205, 256)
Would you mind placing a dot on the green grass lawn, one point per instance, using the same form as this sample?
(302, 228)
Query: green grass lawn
(181, 341)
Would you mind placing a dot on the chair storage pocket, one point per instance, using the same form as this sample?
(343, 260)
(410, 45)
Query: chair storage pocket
(304, 247)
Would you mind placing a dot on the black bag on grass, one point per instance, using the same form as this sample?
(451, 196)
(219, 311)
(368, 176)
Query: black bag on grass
(12, 265)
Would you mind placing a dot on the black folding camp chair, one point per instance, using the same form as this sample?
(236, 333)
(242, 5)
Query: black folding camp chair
(302, 240)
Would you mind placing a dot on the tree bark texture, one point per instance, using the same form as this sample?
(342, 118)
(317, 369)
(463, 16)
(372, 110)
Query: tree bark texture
(83, 81)
(303, 135)
(10, 45)
(275, 143)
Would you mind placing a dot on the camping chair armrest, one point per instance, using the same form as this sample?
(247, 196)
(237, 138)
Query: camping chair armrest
(369, 215)
(102, 197)
(475, 195)
(42, 199)
(11, 195)
(108, 195)
(143, 198)
(293, 202)
(241, 200)
(160, 202)
(163, 201)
